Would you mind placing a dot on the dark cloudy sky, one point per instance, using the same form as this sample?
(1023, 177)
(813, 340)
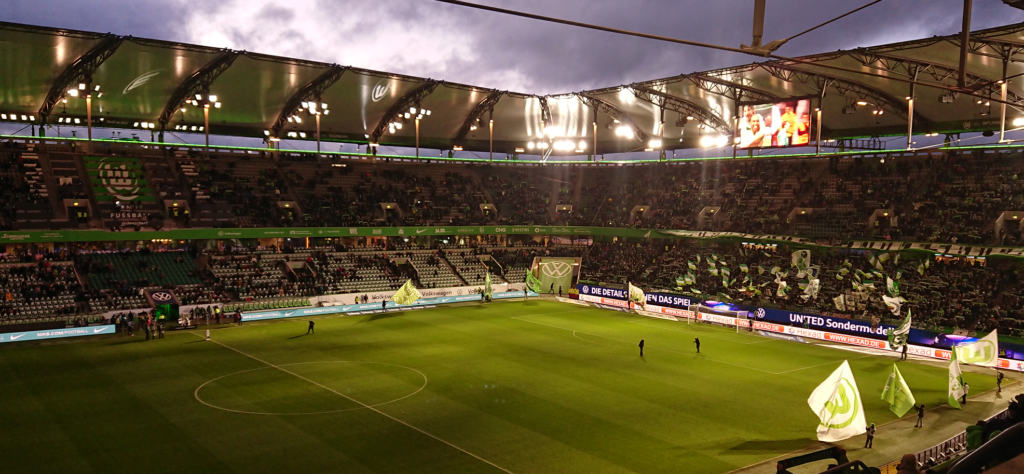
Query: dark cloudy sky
(426, 38)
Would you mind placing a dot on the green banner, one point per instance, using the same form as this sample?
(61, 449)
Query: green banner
(555, 273)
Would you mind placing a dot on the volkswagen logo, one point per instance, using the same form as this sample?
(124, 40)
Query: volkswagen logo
(760, 313)
(161, 296)
(556, 269)
(380, 90)
(586, 289)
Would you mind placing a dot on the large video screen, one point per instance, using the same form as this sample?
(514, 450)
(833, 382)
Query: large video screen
(775, 125)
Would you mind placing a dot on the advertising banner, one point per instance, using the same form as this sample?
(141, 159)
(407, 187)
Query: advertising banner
(419, 304)
(56, 333)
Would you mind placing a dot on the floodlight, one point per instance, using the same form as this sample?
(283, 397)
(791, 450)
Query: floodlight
(530, 145)
(73, 92)
(652, 144)
(81, 86)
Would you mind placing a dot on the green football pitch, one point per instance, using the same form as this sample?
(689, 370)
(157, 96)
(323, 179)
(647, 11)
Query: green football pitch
(521, 387)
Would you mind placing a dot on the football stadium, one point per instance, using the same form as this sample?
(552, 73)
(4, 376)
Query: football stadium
(220, 260)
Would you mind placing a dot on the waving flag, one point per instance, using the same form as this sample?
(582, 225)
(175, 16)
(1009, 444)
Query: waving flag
(956, 381)
(801, 259)
(532, 282)
(488, 291)
(407, 294)
(838, 406)
(983, 352)
(637, 295)
(898, 336)
(892, 286)
(898, 394)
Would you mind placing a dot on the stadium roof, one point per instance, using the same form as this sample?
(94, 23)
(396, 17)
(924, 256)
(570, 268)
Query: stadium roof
(147, 81)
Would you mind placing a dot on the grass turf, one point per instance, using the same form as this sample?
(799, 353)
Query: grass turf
(528, 387)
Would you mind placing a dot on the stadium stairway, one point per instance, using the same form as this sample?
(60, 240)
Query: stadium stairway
(50, 182)
(445, 262)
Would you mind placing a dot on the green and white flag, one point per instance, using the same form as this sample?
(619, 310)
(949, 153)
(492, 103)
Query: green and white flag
(407, 294)
(801, 259)
(775, 270)
(898, 336)
(760, 269)
(725, 272)
(783, 289)
(884, 257)
(811, 291)
(838, 406)
(899, 274)
(713, 271)
(532, 282)
(896, 261)
(898, 394)
(714, 257)
(681, 281)
(956, 381)
(893, 304)
(488, 291)
(691, 265)
(920, 269)
(744, 268)
(840, 303)
(698, 258)
(983, 352)
(892, 287)
(637, 295)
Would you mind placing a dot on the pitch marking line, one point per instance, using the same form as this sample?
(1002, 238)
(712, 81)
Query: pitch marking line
(204, 402)
(368, 407)
(574, 332)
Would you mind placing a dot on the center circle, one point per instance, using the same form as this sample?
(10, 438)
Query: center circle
(311, 388)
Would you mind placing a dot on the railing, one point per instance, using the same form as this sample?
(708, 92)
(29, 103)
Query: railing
(943, 451)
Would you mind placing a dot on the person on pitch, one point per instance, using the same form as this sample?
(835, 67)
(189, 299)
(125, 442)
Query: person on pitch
(967, 389)
(696, 341)
(869, 441)
(641, 348)
(920, 416)
(905, 346)
(999, 382)
(310, 330)
(384, 305)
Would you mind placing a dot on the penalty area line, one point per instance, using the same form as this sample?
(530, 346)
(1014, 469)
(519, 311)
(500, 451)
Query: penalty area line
(368, 407)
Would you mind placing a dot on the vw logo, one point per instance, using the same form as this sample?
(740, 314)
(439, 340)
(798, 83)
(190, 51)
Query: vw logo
(161, 296)
(380, 90)
(556, 269)
(120, 181)
(586, 289)
(760, 313)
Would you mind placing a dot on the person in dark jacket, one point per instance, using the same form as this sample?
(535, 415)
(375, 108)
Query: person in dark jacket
(310, 330)
(641, 348)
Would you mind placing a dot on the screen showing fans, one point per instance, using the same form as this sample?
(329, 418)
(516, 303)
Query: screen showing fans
(775, 125)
